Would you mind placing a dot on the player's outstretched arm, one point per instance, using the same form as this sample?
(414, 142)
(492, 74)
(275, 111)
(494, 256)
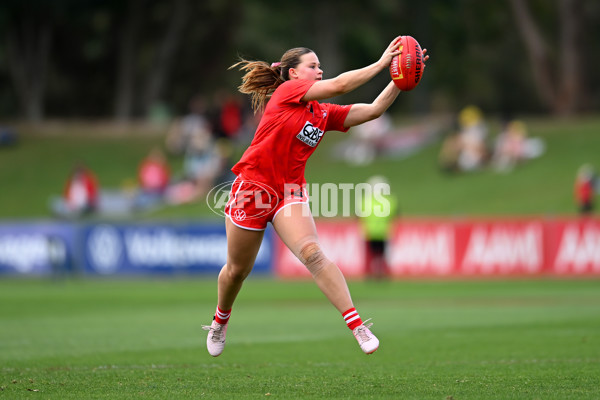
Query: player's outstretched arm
(360, 113)
(350, 80)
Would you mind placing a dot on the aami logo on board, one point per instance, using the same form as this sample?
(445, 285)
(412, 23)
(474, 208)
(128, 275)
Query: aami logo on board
(420, 250)
(578, 250)
(504, 250)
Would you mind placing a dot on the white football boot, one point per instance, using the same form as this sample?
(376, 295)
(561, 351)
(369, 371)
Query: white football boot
(215, 342)
(367, 341)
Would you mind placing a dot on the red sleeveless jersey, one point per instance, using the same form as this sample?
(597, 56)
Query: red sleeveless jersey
(288, 133)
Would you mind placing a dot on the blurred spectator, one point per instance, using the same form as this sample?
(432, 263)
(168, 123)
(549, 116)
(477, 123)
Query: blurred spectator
(228, 121)
(80, 196)
(366, 140)
(381, 138)
(154, 172)
(513, 146)
(448, 157)
(228, 115)
(473, 152)
(81, 191)
(585, 188)
(191, 130)
(154, 176)
(376, 225)
(193, 137)
(8, 137)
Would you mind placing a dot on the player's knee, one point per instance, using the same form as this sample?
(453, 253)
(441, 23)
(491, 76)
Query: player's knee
(236, 273)
(313, 258)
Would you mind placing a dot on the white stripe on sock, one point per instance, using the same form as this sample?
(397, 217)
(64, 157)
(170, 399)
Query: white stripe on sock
(350, 315)
(352, 319)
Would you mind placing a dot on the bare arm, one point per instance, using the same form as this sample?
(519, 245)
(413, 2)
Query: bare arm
(361, 113)
(348, 81)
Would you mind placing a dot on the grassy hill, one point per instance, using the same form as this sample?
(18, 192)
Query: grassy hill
(37, 167)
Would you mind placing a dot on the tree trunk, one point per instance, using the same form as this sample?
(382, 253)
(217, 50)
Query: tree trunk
(124, 91)
(329, 38)
(570, 93)
(560, 88)
(165, 56)
(538, 52)
(28, 51)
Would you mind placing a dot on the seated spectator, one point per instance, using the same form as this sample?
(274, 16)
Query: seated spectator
(81, 191)
(191, 132)
(514, 146)
(154, 176)
(194, 138)
(473, 132)
(368, 139)
(508, 149)
(154, 173)
(449, 152)
(80, 196)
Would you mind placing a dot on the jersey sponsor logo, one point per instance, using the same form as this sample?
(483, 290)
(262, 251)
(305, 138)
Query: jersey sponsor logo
(310, 134)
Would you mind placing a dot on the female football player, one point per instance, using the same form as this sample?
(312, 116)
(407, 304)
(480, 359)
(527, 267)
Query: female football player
(270, 184)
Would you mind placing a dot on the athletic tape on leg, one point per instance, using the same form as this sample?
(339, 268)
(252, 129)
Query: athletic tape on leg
(313, 258)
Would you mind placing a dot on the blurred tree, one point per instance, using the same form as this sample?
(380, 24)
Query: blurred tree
(172, 18)
(129, 26)
(166, 50)
(558, 75)
(28, 30)
(103, 58)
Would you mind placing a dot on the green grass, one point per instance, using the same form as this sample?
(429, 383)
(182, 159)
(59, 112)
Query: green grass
(125, 339)
(542, 186)
(37, 168)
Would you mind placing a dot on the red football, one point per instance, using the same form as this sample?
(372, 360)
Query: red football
(407, 68)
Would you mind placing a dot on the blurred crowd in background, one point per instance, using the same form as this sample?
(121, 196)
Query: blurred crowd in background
(146, 60)
(209, 138)
(205, 141)
(470, 145)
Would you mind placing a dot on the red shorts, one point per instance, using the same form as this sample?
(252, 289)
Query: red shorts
(253, 204)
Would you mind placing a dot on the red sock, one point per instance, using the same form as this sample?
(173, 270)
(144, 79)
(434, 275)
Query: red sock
(352, 318)
(222, 317)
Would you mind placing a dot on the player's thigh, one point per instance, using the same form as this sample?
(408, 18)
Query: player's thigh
(296, 227)
(242, 246)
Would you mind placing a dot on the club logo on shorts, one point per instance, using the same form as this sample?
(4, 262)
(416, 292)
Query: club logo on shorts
(310, 134)
(239, 215)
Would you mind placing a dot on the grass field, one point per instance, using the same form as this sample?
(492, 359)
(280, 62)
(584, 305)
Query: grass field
(37, 168)
(120, 339)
